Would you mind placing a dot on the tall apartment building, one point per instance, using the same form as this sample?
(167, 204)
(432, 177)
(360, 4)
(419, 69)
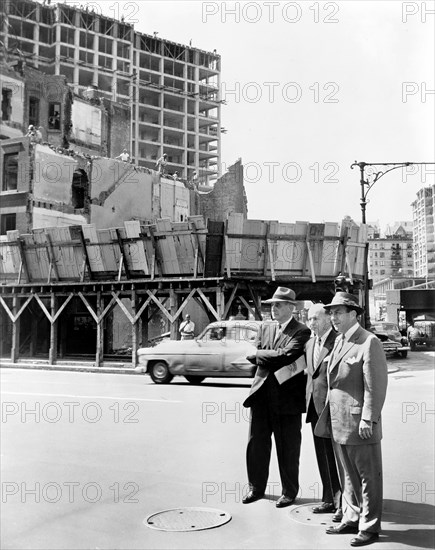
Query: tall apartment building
(172, 89)
(423, 209)
(391, 255)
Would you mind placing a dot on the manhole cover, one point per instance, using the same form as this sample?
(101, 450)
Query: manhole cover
(304, 514)
(187, 519)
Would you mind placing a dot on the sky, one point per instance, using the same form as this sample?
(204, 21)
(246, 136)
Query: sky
(311, 87)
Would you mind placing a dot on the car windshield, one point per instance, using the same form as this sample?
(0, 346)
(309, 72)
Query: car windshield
(236, 333)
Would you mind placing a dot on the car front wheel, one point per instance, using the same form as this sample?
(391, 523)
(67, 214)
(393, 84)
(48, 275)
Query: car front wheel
(194, 379)
(159, 373)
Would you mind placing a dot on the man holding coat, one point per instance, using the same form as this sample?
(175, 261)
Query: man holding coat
(277, 399)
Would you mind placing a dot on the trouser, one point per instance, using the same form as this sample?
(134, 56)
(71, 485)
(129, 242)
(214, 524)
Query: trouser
(360, 470)
(286, 429)
(327, 469)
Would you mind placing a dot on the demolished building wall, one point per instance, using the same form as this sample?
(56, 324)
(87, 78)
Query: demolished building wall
(226, 197)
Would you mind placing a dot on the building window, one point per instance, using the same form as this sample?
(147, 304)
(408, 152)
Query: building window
(382, 254)
(6, 104)
(34, 111)
(8, 223)
(54, 116)
(382, 271)
(10, 171)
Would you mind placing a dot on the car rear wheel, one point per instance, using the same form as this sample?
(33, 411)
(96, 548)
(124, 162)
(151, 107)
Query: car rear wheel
(404, 354)
(194, 379)
(159, 373)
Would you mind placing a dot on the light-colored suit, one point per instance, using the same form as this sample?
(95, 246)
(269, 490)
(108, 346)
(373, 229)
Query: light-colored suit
(316, 394)
(357, 388)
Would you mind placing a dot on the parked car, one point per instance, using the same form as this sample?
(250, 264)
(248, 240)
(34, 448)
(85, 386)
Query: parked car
(392, 341)
(423, 332)
(219, 351)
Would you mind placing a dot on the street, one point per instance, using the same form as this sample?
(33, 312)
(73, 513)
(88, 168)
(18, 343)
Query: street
(86, 457)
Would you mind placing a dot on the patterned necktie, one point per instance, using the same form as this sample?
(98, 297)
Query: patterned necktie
(317, 346)
(277, 334)
(339, 345)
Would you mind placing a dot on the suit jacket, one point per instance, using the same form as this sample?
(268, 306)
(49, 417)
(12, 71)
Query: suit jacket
(274, 353)
(357, 388)
(317, 375)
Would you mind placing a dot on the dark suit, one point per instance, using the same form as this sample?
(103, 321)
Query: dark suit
(357, 389)
(317, 390)
(276, 408)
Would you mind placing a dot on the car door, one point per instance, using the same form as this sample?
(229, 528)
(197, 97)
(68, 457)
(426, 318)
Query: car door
(240, 343)
(207, 357)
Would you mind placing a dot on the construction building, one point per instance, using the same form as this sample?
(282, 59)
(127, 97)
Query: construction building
(172, 90)
(423, 210)
(96, 251)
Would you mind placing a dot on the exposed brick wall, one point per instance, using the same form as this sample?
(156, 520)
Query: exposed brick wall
(228, 195)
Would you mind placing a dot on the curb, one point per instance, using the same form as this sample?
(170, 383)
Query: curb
(71, 367)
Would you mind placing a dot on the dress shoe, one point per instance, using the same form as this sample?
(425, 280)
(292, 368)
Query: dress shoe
(252, 496)
(284, 501)
(342, 529)
(363, 538)
(338, 516)
(324, 508)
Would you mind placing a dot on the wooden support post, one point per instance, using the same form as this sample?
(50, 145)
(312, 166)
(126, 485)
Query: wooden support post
(123, 256)
(266, 249)
(15, 331)
(220, 303)
(134, 327)
(52, 353)
(85, 253)
(173, 307)
(198, 251)
(100, 332)
(256, 300)
(33, 335)
(145, 333)
(51, 255)
(157, 259)
(23, 258)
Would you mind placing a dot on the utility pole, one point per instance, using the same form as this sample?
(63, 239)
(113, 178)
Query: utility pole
(367, 181)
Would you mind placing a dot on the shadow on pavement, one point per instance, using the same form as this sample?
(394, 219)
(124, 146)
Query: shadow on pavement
(409, 513)
(214, 384)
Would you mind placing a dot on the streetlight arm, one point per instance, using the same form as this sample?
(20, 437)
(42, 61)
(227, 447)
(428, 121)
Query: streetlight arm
(366, 185)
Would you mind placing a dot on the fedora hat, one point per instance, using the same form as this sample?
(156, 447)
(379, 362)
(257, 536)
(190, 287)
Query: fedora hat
(345, 299)
(282, 294)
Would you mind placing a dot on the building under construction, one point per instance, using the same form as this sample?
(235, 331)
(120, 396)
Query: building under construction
(171, 90)
(98, 254)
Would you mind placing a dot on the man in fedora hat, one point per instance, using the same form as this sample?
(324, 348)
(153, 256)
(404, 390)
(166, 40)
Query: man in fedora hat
(277, 399)
(357, 378)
